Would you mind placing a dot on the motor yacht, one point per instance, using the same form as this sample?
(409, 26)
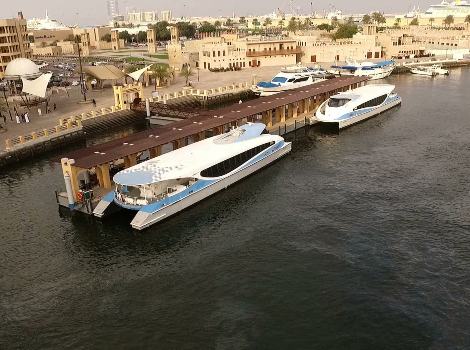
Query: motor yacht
(164, 185)
(290, 78)
(372, 70)
(424, 70)
(439, 70)
(353, 106)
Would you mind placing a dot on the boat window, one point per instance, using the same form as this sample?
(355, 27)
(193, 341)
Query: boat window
(279, 80)
(290, 80)
(338, 102)
(233, 163)
(372, 103)
(298, 80)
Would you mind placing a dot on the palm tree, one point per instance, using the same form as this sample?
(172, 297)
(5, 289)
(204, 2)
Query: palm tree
(448, 20)
(229, 23)
(186, 72)
(378, 17)
(159, 73)
(255, 22)
(267, 22)
(366, 19)
(217, 24)
(292, 26)
(281, 23)
(467, 20)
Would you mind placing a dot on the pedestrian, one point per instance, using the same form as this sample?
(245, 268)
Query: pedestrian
(18, 121)
(94, 102)
(39, 111)
(22, 118)
(26, 117)
(55, 106)
(4, 119)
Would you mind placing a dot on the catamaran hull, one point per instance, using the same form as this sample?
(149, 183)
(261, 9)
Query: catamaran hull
(365, 115)
(145, 219)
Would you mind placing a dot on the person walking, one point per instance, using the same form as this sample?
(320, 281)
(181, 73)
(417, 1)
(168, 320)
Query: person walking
(26, 117)
(94, 102)
(55, 106)
(18, 121)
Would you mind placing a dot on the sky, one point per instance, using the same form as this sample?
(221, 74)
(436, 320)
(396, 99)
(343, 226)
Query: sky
(93, 12)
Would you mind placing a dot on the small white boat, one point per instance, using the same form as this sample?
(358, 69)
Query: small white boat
(353, 106)
(424, 70)
(290, 78)
(439, 70)
(164, 185)
(372, 70)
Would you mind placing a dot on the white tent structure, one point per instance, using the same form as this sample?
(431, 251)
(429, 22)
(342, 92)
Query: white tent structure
(21, 68)
(38, 86)
(138, 73)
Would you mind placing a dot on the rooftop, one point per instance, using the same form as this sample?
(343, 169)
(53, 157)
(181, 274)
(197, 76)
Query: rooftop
(89, 157)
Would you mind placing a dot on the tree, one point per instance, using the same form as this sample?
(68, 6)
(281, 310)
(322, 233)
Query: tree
(397, 23)
(141, 37)
(449, 20)
(217, 24)
(126, 36)
(186, 29)
(367, 19)
(334, 21)
(414, 22)
(292, 25)
(378, 18)
(159, 73)
(161, 30)
(242, 20)
(345, 31)
(281, 23)
(186, 72)
(255, 22)
(206, 27)
(229, 23)
(325, 26)
(307, 23)
(106, 37)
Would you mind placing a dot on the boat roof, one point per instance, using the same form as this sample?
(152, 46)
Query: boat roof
(190, 160)
(369, 91)
(366, 65)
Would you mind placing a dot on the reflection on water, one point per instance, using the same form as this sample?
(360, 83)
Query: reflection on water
(356, 240)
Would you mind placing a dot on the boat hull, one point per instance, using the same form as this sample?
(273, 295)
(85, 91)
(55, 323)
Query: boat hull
(144, 219)
(363, 116)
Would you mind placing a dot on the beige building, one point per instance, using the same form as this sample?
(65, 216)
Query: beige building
(45, 37)
(165, 15)
(13, 41)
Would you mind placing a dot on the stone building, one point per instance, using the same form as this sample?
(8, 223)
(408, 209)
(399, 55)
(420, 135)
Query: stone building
(13, 41)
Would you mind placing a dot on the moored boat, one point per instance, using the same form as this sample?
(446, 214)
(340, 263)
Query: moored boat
(353, 106)
(372, 70)
(290, 78)
(165, 185)
(424, 70)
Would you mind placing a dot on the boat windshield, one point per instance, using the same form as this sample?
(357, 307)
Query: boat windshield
(338, 102)
(279, 80)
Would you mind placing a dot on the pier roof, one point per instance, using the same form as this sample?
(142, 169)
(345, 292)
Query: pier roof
(100, 154)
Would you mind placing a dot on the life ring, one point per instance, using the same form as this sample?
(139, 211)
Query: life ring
(80, 196)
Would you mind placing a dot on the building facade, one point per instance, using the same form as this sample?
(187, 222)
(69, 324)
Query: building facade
(13, 41)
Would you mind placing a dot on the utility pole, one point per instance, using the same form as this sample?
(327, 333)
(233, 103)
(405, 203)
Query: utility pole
(82, 84)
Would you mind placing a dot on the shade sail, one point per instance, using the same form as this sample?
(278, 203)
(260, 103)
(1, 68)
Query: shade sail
(38, 86)
(138, 73)
(104, 72)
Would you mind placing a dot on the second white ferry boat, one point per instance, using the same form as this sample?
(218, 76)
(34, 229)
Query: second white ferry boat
(353, 106)
(164, 185)
(372, 70)
(290, 78)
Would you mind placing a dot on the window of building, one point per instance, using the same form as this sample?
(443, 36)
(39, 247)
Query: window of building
(235, 162)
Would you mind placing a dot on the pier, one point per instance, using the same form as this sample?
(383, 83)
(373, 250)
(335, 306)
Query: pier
(94, 167)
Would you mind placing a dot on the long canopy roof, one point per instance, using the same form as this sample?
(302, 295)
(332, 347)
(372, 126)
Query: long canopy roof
(92, 156)
(104, 72)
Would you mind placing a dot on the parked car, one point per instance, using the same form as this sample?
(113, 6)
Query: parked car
(75, 83)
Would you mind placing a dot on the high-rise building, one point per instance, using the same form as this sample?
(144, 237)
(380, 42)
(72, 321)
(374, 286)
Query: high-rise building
(113, 8)
(13, 41)
(165, 15)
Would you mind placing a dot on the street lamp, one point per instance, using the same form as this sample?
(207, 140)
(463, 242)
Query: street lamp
(82, 85)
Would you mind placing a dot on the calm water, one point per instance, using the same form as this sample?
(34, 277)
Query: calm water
(354, 241)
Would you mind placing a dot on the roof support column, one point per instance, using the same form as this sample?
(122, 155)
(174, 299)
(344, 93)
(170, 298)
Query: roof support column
(155, 151)
(105, 177)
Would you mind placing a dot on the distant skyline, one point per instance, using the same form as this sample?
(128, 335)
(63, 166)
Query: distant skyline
(93, 12)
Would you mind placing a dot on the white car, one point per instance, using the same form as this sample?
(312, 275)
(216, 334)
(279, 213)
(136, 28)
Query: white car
(75, 83)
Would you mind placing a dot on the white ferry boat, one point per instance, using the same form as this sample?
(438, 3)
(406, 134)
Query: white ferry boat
(290, 78)
(424, 70)
(372, 70)
(353, 106)
(165, 185)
